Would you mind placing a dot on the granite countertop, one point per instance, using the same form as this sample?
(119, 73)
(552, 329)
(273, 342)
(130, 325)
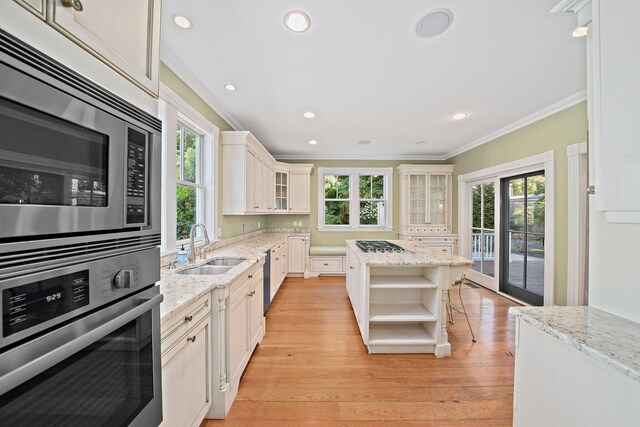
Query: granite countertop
(181, 290)
(613, 340)
(416, 255)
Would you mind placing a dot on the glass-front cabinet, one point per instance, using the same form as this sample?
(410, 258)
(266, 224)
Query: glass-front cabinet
(425, 199)
(282, 190)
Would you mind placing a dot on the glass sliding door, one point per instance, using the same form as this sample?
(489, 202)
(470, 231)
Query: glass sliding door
(483, 231)
(522, 240)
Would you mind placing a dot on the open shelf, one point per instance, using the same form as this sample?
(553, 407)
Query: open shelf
(399, 335)
(400, 313)
(400, 282)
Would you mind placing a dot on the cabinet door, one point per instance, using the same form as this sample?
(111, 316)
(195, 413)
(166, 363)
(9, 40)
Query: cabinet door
(238, 347)
(437, 199)
(186, 379)
(256, 311)
(125, 34)
(299, 194)
(258, 191)
(417, 199)
(284, 266)
(37, 7)
(282, 191)
(270, 188)
(274, 280)
(616, 101)
(250, 161)
(296, 254)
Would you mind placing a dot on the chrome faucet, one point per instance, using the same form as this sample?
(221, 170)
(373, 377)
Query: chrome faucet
(191, 256)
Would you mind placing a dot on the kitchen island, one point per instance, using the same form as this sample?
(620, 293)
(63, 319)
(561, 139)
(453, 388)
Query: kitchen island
(398, 295)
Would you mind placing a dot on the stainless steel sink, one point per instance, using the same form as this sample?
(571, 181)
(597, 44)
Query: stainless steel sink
(226, 261)
(210, 270)
(214, 267)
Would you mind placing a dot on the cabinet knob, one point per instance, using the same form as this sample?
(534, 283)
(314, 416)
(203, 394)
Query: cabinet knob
(251, 276)
(75, 4)
(351, 267)
(192, 339)
(326, 265)
(188, 318)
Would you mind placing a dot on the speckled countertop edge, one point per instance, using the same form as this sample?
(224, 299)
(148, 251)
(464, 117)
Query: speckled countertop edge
(419, 256)
(613, 340)
(181, 290)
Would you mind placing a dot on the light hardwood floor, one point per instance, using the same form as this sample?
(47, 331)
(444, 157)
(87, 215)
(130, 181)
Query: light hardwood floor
(312, 368)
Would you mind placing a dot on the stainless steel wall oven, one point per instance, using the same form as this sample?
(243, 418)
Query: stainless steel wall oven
(79, 257)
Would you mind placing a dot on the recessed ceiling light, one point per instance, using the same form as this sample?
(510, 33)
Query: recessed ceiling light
(364, 142)
(230, 87)
(580, 32)
(459, 116)
(313, 142)
(309, 115)
(297, 21)
(434, 23)
(182, 21)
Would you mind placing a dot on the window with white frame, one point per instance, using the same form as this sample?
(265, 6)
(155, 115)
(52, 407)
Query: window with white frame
(189, 187)
(189, 194)
(354, 198)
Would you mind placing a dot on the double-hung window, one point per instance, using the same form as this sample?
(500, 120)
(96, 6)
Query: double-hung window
(189, 193)
(189, 187)
(354, 199)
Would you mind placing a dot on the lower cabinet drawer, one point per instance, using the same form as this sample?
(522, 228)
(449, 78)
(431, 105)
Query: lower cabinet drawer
(176, 327)
(332, 264)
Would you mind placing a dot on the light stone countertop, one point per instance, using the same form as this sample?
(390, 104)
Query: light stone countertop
(181, 290)
(416, 255)
(613, 340)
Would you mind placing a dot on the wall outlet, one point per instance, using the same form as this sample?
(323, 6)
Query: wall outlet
(295, 223)
(258, 224)
(244, 227)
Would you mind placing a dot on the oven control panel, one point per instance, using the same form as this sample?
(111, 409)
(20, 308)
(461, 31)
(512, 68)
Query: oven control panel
(136, 199)
(34, 303)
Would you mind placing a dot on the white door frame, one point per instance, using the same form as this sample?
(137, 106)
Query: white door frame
(577, 181)
(544, 161)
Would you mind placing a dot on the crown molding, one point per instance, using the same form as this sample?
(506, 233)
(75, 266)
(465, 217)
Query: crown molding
(356, 157)
(531, 118)
(171, 61)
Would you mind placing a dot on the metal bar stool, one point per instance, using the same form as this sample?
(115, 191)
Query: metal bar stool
(450, 309)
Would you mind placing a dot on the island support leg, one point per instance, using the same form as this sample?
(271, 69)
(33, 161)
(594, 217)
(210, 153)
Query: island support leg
(443, 347)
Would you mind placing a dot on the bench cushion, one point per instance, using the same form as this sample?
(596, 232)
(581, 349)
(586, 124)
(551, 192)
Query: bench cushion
(327, 251)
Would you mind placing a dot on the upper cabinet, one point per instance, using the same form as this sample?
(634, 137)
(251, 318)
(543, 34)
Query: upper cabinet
(255, 183)
(123, 34)
(425, 199)
(614, 103)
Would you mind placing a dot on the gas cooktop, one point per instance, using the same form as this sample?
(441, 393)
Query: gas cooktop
(378, 246)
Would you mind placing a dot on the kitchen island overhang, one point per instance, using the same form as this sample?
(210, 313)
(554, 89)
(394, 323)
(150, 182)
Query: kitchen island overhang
(399, 298)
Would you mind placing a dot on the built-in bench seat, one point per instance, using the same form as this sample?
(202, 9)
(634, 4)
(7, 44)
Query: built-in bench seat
(327, 260)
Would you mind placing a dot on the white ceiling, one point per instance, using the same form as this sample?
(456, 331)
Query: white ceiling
(364, 72)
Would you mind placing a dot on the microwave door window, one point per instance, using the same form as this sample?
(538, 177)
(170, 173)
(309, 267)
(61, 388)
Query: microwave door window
(45, 160)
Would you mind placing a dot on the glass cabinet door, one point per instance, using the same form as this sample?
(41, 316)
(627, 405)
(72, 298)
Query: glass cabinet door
(281, 191)
(437, 199)
(417, 199)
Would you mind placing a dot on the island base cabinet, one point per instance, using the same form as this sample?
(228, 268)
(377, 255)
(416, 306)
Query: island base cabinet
(557, 385)
(186, 383)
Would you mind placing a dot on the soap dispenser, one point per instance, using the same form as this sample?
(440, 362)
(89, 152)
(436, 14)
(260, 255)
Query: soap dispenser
(182, 256)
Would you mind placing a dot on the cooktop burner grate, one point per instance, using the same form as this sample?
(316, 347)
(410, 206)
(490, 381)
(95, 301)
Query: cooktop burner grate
(378, 246)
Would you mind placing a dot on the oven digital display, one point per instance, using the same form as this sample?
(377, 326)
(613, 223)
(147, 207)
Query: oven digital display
(136, 181)
(29, 305)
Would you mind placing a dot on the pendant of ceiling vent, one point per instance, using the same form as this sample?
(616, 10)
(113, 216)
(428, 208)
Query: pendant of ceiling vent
(434, 23)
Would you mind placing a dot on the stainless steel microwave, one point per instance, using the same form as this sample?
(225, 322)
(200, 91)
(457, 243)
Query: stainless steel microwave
(69, 161)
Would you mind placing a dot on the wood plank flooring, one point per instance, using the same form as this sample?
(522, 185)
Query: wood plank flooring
(312, 368)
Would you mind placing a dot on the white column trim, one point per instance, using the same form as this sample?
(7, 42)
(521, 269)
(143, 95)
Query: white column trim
(543, 161)
(577, 222)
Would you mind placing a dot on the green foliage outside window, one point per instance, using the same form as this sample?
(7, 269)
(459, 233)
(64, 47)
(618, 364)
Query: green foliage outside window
(186, 195)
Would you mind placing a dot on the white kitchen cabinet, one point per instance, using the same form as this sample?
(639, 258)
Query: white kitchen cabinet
(614, 103)
(256, 311)
(238, 333)
(254, 182)
(300, 190)
(278, 266)
(123, 34)
(186, 358)
(298, 254)
(425, 199)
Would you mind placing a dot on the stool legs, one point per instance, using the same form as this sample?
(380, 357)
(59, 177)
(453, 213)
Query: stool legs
(450, 308)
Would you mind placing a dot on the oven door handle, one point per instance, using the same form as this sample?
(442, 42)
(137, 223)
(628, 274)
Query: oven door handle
(47, 351)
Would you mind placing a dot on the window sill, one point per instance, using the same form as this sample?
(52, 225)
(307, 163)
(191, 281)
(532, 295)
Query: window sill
(356, 230)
